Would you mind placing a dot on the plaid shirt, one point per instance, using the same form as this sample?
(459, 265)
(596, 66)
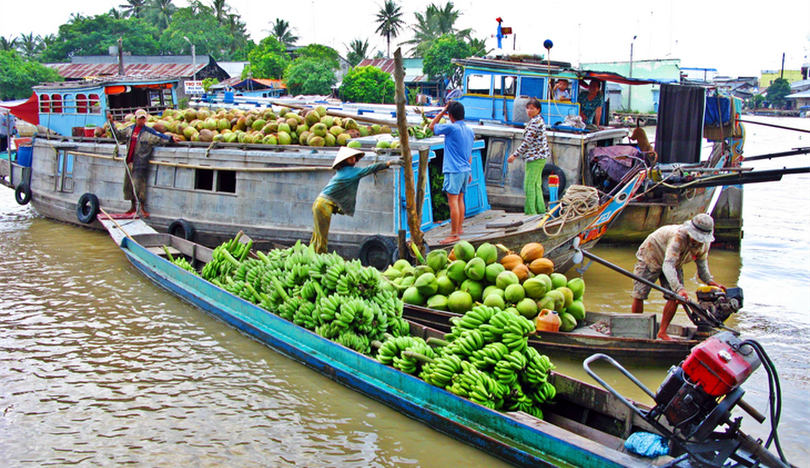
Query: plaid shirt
(535, 144)
(668, 249)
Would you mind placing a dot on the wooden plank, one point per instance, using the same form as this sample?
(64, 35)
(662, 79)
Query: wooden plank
(633, 326)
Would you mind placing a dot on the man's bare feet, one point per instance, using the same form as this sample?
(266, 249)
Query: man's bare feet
(129, 212)
(144, 214)
(664, 336)
(449, 239)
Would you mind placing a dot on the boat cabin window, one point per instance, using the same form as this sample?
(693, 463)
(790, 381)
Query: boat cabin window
(204, 179)
(478, 84)
(81, 103)
(504, 85)
(44, 104)
(69, 104)
(56, 104)
(94, 105)
(207, 179)
(226, 181)
(533, 87)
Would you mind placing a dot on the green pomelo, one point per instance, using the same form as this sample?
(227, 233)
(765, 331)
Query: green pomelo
(401, 264)
(487, 252)
(456, 271)
(546, 303)
(514, 293)
(437, 259)
(495, 300)
(392, 273)
(527, 308)
(438, 302)
(459, 302)
(473, 287)
(577, 309)
(475, 269)
(569, 295)
(445, 285)
(492, 272)
(505, 278)
(426, 284)
(464, 251)
(567, 322)
(559, 299)
(535, 288)
(577, 286)
(557, 280)
(413, 296)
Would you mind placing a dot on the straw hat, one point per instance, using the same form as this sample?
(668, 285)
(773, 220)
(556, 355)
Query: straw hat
(700, 228)
(345, 153)
(141, 113)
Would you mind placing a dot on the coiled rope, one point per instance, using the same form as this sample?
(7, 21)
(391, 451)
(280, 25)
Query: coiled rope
(578, 201)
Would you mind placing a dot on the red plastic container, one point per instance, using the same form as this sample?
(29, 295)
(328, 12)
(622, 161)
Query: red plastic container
(719, 368)
(89, 132)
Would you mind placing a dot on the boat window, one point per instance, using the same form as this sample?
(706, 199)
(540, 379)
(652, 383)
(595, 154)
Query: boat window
(81, 104)
(70, 104)
(44, 104)
(207, 179)
(56, 104)
(94, 104)
(532, 87)
(504, 85)
(204, 179)
(478, 84)
(226, 181)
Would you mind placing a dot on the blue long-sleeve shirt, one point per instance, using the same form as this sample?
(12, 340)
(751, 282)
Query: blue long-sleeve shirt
(342, 188)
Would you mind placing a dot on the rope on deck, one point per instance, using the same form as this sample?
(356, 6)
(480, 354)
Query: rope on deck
(579, 200)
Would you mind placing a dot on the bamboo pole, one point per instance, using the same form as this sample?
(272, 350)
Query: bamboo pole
(414, 221)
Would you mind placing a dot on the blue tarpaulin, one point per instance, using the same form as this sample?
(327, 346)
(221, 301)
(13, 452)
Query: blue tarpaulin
(718, 111)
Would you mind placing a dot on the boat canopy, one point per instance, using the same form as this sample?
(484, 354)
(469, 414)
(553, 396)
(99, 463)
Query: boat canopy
(27, 110)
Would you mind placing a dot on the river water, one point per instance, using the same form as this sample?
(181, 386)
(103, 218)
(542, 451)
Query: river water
(99, 367)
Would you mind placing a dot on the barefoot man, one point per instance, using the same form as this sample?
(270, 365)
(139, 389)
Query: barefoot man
(457, 166)
(662, 256)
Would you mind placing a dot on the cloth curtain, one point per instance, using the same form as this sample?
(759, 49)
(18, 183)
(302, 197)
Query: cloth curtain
(680, 124)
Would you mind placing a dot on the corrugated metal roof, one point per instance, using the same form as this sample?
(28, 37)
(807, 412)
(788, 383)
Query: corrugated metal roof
(73, 71)
(412, 75)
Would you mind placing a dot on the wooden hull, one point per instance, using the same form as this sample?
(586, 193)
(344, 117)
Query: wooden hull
(517, 438)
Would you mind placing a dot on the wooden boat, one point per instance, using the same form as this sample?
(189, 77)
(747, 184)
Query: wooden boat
(631, 339)
(584, 428)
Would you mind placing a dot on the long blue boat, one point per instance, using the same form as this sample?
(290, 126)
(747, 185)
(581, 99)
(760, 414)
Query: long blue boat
(517, 438)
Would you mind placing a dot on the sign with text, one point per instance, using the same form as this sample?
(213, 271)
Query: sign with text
(193, 87)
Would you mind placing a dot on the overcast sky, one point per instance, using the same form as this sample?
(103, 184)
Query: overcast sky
(736, 38)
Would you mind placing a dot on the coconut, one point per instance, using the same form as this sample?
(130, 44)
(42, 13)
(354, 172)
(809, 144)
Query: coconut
(535, 288)
(473, 287)
(464, 251)
(577, 309)
(505, 278)
(455, 271)
(426, 284)
(492, 272)
(487, 252)
(577, 286)
(475, 269)
(438, 302)
(514, 293)
(527, 308)
(413, 296)
(495, 300)
(437, 259)
(558, 280)
(459, 302)
(445, 285)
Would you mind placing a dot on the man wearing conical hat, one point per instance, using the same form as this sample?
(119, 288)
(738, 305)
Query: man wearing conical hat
(340, 194)
(662, 256)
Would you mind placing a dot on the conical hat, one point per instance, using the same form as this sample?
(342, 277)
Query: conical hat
(345, 153)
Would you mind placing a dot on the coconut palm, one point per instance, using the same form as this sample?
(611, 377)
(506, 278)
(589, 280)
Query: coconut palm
(433, 23)
(282, 31)
(221, 9)
(390, 22)
(133, 8)
(358, 50)
(237, 30)
(75, 18)
(8, 44)
(160, 12)
(29, 46)
(115, 14)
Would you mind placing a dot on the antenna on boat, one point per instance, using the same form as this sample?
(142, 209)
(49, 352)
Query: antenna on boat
(548, 45)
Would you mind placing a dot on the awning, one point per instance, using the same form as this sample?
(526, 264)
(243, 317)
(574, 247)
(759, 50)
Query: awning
(117, 89)
(27, 110)
(616, 78)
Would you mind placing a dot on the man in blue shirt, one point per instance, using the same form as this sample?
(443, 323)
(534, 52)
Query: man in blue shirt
(457, 166)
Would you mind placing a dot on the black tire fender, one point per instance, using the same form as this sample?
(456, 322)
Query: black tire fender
(377, 251)
(183, 229)
(22, 194)
(549, 169)
(87, 209)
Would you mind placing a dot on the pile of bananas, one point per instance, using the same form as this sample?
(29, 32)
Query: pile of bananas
(337, 299)
(180, 261)
(485, 358)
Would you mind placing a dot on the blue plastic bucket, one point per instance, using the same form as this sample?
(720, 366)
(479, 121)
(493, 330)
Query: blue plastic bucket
(24, 155)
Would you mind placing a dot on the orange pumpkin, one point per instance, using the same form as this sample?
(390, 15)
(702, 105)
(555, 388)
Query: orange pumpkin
(511, 261)
(542, 266)
(532, 251)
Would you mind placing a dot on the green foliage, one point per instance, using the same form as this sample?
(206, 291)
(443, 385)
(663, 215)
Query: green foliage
(437, 58)
(390, 22)
(283, 33)
(777, 92)
(202, 29)
(434, 23)
(323, 53)
(18, 76)
(441, 209)
(94, 36)
(368, 84)
(357, 51)
(268, 59)
(308, 75)
(208, 82)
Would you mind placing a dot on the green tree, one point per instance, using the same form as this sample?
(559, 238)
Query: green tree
(358, 50)
(437, 58)
(29, 46)
(320, 52)
(18, 76)
(133, 8)
(390, 22)
(159, 13)
(8, 44)
(201, 28)
(94, 36)
(434, 23)
(241, 45)
(368, 84)
(306, 75)
(283, 33)
(267, 60)
(777, 92)
(208, 82)
(221, 10)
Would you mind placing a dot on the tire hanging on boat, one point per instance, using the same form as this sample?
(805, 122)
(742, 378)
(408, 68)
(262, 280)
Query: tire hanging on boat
(87, 209)
(376, 251)
(183, 229)
(22, 194)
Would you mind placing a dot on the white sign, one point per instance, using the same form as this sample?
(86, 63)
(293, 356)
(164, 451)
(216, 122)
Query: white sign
(193, 87)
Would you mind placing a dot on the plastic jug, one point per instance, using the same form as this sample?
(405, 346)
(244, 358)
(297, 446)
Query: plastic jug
(547, 320)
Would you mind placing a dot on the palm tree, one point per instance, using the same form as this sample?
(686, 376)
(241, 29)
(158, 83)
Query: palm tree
(237, 29)
(221, 10)
(432, 24)
(75, 18)
(133, 8)
(283, 32)
(390, 22)
(29, 46)
(160, 12)
(8, 44)
(358, 50)
(479, 47)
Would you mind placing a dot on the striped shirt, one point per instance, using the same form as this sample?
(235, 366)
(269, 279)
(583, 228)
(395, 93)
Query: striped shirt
(535, 144)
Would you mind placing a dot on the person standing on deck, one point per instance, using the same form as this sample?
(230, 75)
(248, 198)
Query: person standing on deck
(340, 194)
(536, 151)
(140, 142)
(662, 256)
(457, 165)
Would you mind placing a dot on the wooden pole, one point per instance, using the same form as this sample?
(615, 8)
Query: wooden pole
(414, 221)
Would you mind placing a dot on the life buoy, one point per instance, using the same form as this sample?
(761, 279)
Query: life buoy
(183, 229)
(22, 193)
(549, 169)
(376, 251)
(87, 209)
